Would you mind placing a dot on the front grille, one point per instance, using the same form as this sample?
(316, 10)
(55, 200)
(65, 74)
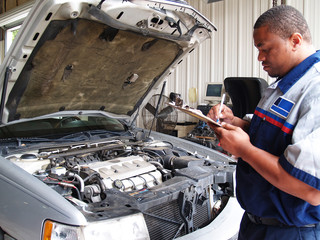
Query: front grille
(164, 221)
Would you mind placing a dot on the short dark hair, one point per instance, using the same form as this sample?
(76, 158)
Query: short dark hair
(284, 20)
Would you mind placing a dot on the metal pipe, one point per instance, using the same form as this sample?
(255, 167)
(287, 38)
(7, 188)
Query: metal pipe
(4, 91)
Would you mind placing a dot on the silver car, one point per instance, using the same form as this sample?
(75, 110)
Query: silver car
(73, 164)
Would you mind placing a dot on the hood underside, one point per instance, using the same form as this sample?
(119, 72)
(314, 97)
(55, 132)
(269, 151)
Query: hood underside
(83, 64)
(98, 59)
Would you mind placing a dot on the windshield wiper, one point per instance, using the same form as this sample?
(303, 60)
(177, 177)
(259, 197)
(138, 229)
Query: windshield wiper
(20, 141)
(72, 137)
(68, 138)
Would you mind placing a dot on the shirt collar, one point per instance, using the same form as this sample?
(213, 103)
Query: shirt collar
(295, 74)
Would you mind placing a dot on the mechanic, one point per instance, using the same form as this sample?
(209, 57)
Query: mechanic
(278, 170)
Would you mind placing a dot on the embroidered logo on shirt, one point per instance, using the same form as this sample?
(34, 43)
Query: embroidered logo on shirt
(282, 107)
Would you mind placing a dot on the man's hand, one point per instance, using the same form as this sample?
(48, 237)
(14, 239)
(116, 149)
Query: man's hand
(232, 139)
(226, 114)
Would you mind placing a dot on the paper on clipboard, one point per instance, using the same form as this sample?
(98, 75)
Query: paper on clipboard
(195, 113)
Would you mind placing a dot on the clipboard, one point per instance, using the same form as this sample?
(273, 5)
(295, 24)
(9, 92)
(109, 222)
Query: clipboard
(195, 113)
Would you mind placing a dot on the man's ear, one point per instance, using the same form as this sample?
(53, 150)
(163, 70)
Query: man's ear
(296, 40)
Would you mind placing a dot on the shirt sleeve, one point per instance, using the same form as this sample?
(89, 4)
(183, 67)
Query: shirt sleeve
(248, 117)
(301, 159)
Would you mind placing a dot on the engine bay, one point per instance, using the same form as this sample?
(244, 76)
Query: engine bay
(124, 175)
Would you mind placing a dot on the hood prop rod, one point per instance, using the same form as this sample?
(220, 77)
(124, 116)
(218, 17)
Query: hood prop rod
(157, 107)
(4, 90)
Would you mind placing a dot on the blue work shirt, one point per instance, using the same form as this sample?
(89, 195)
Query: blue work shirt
(286, 123)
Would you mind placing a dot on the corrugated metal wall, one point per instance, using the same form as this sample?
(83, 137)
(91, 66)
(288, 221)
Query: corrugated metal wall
(230, 52)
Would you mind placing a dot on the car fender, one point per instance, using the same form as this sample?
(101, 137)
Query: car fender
(26, 203)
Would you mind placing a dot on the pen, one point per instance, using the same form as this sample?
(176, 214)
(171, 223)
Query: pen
(220, 108)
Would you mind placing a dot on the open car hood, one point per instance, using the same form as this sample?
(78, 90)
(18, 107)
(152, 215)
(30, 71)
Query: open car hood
(95, 55)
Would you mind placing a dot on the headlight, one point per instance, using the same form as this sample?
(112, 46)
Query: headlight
(128, 227)
(131, 227)
(56, 231)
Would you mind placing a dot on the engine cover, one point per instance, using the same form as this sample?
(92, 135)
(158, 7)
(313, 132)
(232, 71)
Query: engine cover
(127, 173)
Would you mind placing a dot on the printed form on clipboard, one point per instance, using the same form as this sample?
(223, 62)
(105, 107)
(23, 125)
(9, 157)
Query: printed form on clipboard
(195, 113)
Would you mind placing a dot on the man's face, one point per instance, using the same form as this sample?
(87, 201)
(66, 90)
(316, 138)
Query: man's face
(274, 52)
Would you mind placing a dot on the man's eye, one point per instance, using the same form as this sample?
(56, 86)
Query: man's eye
(264, 51)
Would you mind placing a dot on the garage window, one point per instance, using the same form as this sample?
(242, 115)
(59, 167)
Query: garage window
(10, 23)
(10, 34)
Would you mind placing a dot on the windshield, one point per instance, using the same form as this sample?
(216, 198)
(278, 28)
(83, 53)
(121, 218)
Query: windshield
(61, 126)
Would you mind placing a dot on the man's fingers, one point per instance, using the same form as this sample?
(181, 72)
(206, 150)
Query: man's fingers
(228, 126)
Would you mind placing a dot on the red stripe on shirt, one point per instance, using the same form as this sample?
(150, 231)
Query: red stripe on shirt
(273, 122)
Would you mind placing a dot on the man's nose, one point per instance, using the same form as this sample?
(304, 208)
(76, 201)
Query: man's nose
(261, 56)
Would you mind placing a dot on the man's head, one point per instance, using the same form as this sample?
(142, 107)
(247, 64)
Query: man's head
(283, 21)
(283, 39)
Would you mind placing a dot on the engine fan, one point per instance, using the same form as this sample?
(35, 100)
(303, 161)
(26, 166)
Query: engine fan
(166, 118)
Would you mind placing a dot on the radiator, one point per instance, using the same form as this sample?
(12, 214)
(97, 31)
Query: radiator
(164, 221)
